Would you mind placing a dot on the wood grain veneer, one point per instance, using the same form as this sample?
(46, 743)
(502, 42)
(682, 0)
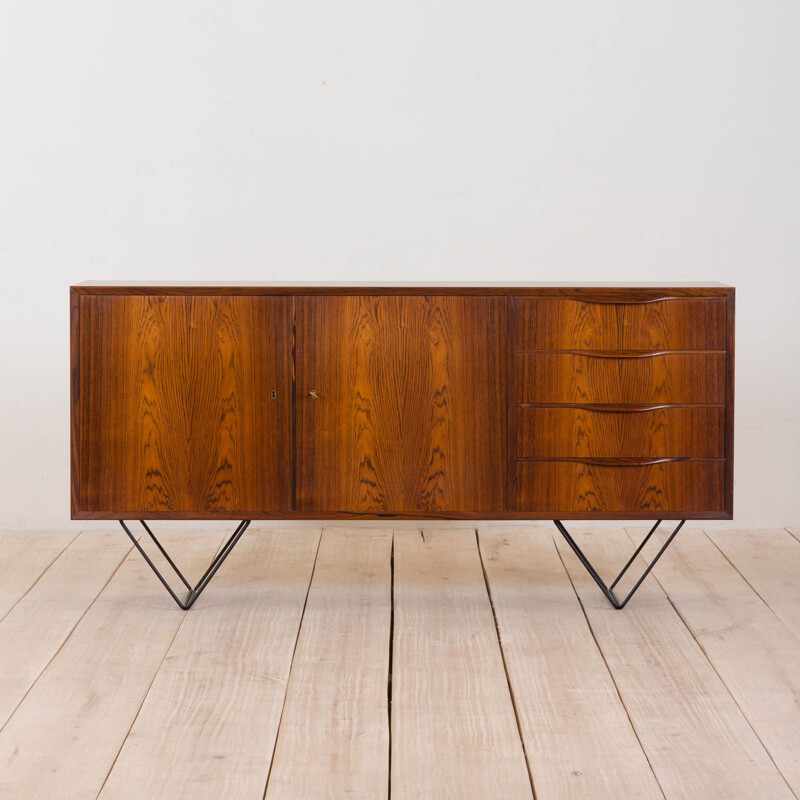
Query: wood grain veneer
(193, 401)
(176, 412)
(674, 324)
(689, 486)
(555, 377)
(605, 432)
(631, 292)
(406, 414)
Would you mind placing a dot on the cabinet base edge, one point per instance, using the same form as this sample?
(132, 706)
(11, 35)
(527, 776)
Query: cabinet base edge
(299, 516)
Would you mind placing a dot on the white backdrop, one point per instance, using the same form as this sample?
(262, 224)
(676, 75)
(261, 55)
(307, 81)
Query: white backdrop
(355, 140)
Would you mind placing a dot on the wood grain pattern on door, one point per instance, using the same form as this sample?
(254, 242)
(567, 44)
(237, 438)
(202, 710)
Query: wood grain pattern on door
(409, 412)
(177, 407)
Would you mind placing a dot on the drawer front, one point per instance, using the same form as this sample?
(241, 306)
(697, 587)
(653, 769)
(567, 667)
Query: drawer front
(668, 487)
(675, 324)
(565, 432)
(579, 378)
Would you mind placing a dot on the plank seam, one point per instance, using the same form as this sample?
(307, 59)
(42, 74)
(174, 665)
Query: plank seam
(141, 704)
(505, 666)
(719, 676)
(147, 692)
(291, 664)
(608, 669)
(41, 574)
(744, 578)
(67, 637)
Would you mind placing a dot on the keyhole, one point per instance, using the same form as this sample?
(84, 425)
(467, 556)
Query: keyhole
(273, 394)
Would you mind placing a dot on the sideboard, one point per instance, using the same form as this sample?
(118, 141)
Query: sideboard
(463, 401)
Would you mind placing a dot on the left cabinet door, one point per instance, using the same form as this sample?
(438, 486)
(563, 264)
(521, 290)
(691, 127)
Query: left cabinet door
(182, 406)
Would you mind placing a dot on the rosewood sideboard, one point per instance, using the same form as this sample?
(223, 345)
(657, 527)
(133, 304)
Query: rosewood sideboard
(463, 401)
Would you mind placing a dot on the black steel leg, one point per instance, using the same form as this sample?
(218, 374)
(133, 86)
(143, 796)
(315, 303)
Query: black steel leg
(194, 591)
(608, 591)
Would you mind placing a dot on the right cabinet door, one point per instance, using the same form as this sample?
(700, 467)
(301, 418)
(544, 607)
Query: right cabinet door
(401, 404)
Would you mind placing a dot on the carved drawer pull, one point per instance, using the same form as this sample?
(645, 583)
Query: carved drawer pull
(633, 353)
(623, 300)
(623, 462)
(622, 408)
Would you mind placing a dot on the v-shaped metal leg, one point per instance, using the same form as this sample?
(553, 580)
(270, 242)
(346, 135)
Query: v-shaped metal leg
(608, 591)
(194, 591)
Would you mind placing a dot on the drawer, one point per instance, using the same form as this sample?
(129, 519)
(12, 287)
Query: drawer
(566, 432)
(685, 323)
(615, 378)
(561, 487)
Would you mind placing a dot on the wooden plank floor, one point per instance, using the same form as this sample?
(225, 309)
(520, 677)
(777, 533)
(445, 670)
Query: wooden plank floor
(358, 663)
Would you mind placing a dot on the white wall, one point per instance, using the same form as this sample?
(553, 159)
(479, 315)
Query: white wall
(367, 141)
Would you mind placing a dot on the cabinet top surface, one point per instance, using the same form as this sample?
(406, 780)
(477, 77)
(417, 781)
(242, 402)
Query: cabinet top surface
(393, 287)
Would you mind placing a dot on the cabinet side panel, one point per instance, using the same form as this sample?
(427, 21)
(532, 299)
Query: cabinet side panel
(177, 414)
(512, 420)
(729, 400)
(409, 414)
(75, 403)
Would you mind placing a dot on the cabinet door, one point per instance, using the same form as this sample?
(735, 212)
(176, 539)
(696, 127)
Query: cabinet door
(176, 414)
(401, 404)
